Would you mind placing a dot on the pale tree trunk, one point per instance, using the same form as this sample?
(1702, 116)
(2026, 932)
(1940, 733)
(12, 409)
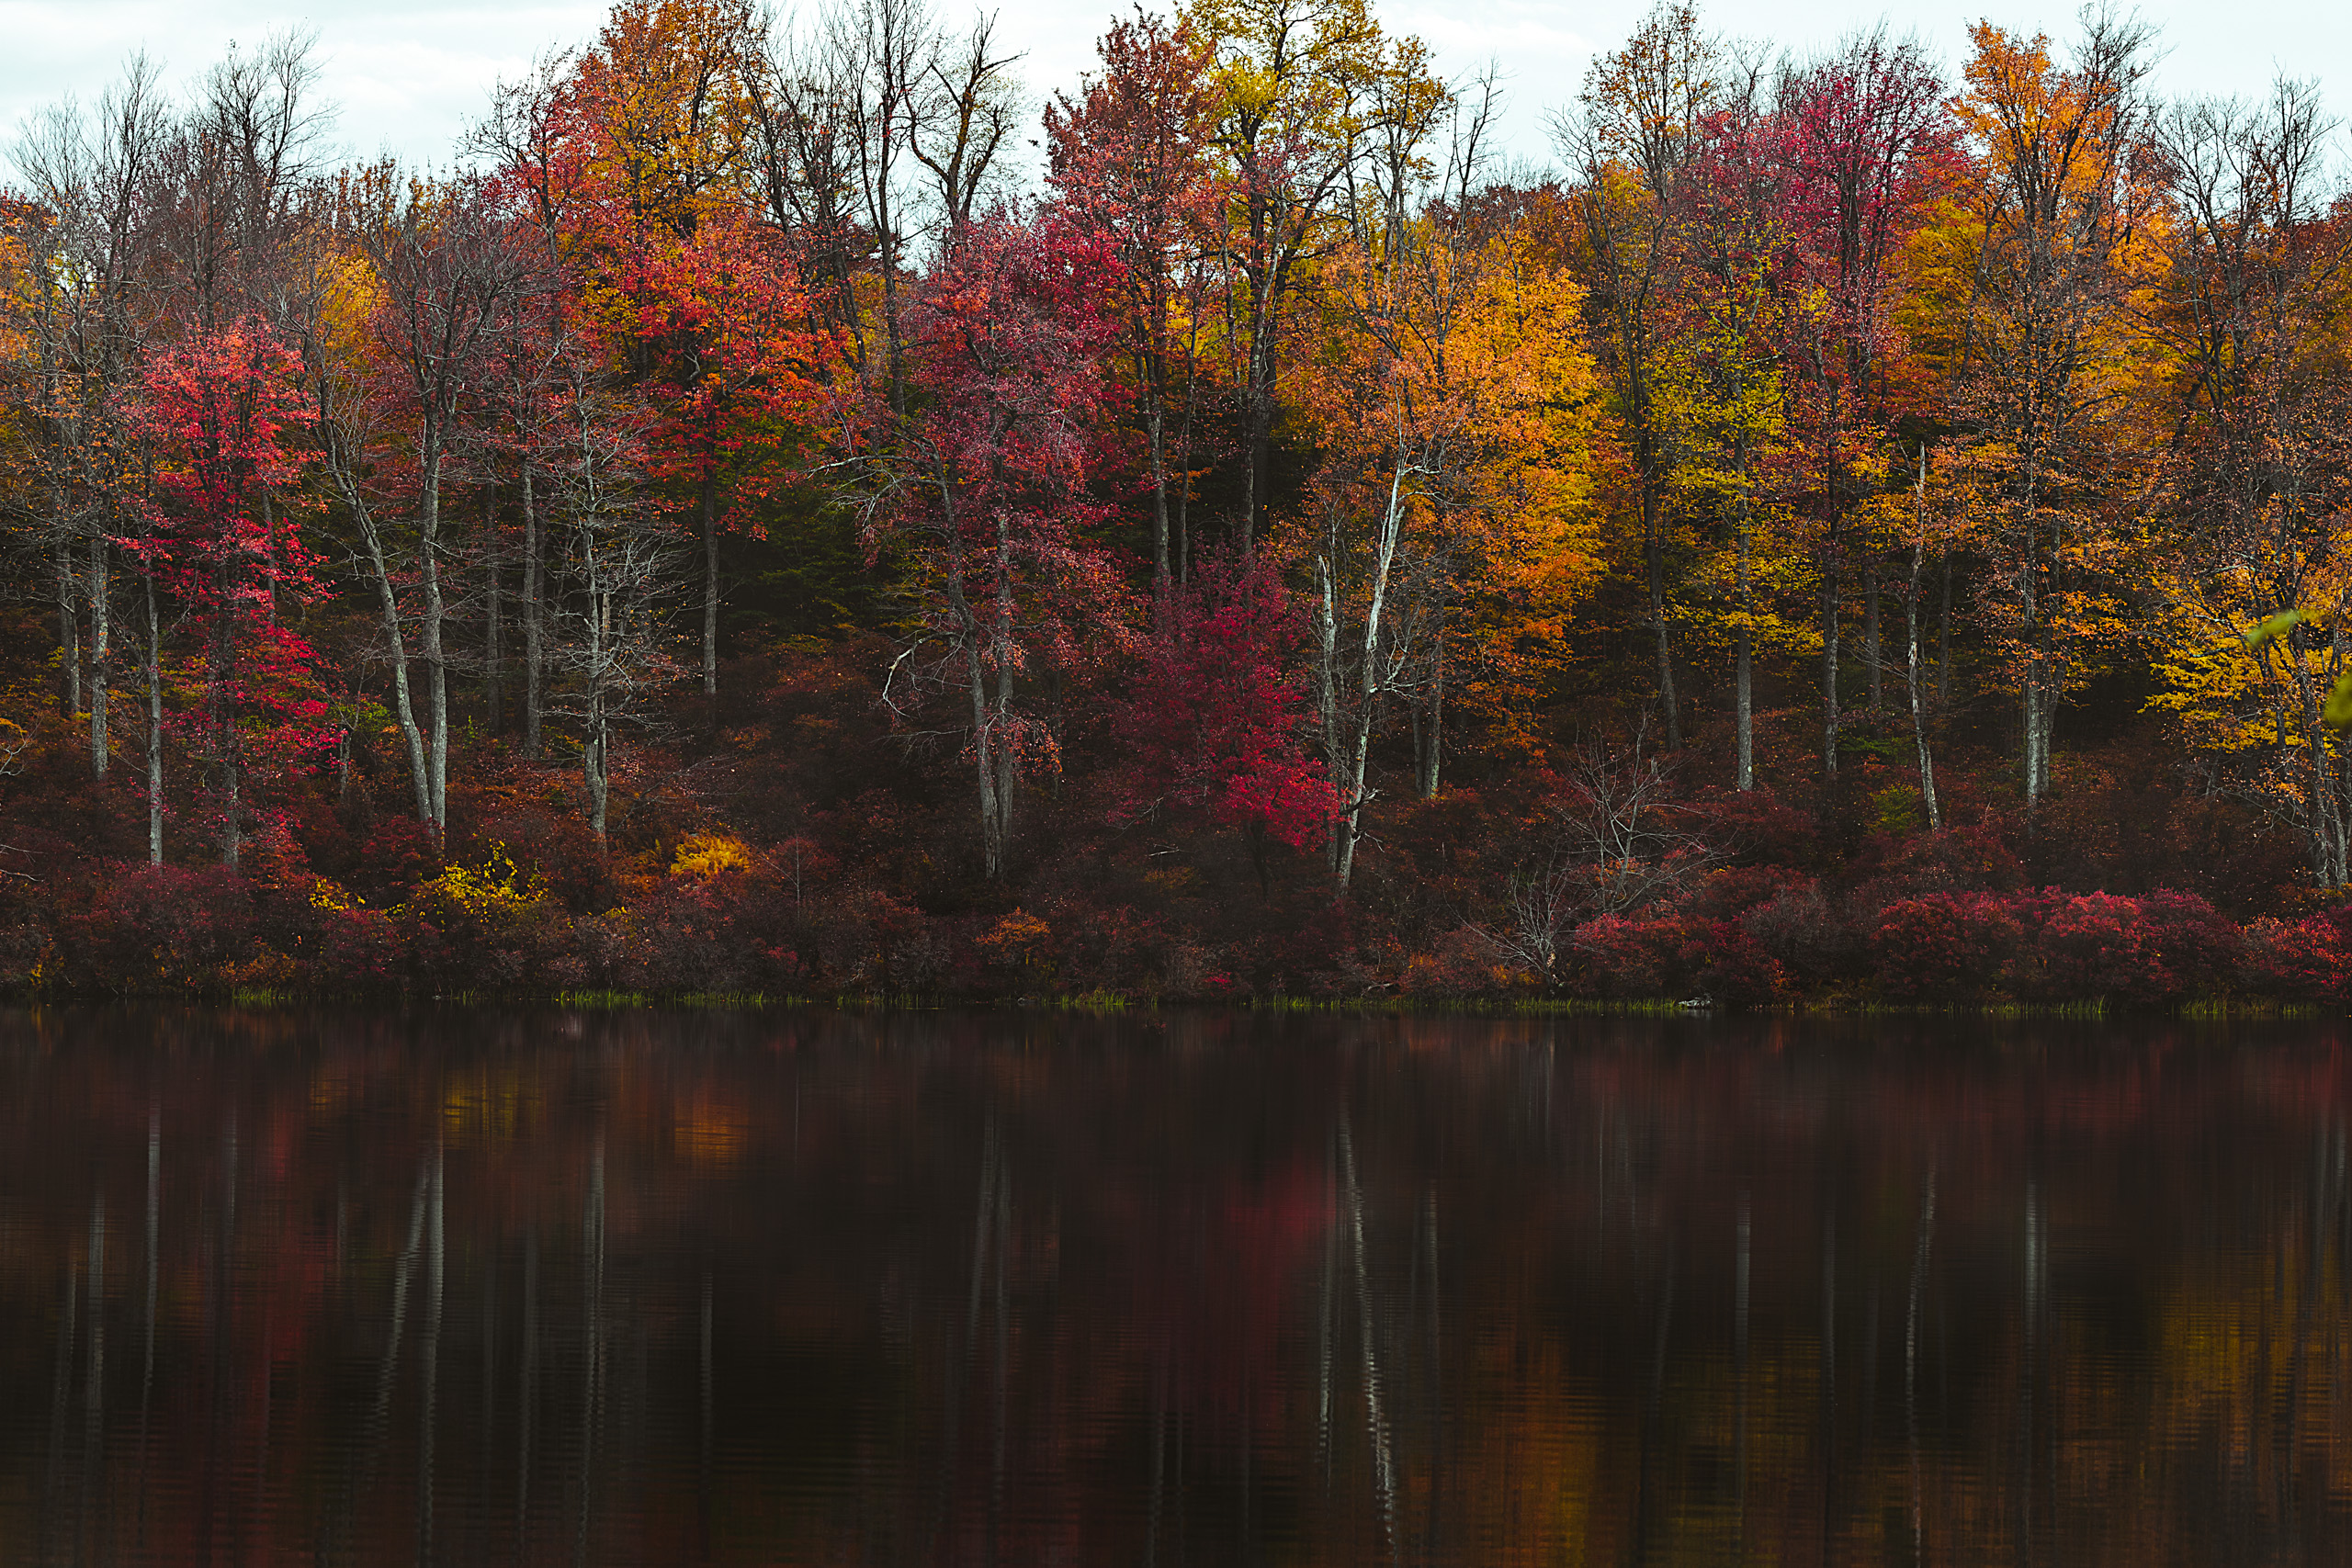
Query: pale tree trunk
(101, 640)
(991, 829)
(494, 627)
(710, 598)
(1000, 710)
(2032, 697)
(155, 726)
(1356, 745)
(1743, 659)
(437, 662)
(1654, 564)
(69, 631)
(403, 705)
(1829, 726)
(1155, 420)
(1869, 634)
(534, 620)
(1911, 616)
(595, 731)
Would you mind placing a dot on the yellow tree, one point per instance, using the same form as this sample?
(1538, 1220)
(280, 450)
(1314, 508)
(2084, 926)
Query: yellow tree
(2031, 290)
(1629, 148)
(1307, 95)
(2252, 516)
(1451, 400)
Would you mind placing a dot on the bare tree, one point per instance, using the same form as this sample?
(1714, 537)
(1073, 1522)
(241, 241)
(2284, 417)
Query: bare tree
(83, 309)
(1611, 843)
(613, 645)
(451, 271)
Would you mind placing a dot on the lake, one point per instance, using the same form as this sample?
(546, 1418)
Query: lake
(807, 1287)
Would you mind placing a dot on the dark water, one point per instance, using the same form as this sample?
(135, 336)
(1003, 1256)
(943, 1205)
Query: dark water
(936, 1289)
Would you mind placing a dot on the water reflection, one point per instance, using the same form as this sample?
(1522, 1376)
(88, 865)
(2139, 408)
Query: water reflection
(811, 1287)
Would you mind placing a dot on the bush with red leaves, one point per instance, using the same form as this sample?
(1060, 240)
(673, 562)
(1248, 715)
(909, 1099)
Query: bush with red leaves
(1943, 946)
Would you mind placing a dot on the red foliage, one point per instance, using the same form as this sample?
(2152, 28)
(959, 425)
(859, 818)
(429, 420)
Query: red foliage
(2094, 946)
(1943, 946)
(1803, 933)
(1214, 719)
(222, 404)
(1628, 959)
(2304, 961)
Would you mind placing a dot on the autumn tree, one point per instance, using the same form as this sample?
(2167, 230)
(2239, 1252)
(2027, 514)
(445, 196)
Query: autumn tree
(2033, 290)
(1300, 90)
(80, 309)
(1867, 143)
(1642, 112)
(1131, 161)
(1448, 404)
(1718, 411)
(224, 406)
(983, 483)
(1213, 722)
(2250, 311)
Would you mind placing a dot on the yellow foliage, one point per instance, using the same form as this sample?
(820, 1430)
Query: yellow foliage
(1019, 938)
(495, 887)
(707, 854)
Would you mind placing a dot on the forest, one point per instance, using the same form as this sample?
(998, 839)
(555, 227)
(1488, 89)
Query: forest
(796, 510)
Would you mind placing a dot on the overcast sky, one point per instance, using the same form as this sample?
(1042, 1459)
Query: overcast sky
(410, 78)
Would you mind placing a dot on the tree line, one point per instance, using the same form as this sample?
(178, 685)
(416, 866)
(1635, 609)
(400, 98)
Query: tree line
(1274, 463)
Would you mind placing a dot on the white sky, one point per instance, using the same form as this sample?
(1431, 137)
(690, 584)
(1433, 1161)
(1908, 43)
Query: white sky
(409, 78)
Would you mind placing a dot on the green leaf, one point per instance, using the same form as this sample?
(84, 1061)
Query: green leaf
(2274, 629)
(2337, 713)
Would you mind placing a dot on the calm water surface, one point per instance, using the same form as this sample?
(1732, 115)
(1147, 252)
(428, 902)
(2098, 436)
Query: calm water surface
(805, 1288)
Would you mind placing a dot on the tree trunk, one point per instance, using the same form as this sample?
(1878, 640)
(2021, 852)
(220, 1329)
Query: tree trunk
(69, 632)
(1156, 421)
(1352, 794)
(1744, 659)
(101, 639)
(1869, 634)
(2030, 696)
(388, 605)
(1000, 708)
(595, 728)
(1654, 565)
(534, 620)
(493, 659)
(1829, 669)
(154, 726)
(1911, 617)
(991, 832)
(437, 662)
(710, 601)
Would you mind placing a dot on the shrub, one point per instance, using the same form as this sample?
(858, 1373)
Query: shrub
(2300, 960)
(2094, 946)
(1462, 963)
(1730, 965)
(706, 856)
(2198, 950)
(1802, 933)
(1942, 946)
(156, 928)
(1626, 960)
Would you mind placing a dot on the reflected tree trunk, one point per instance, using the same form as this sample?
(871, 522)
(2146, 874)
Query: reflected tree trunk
(1375, 1417)
(436, 1277)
